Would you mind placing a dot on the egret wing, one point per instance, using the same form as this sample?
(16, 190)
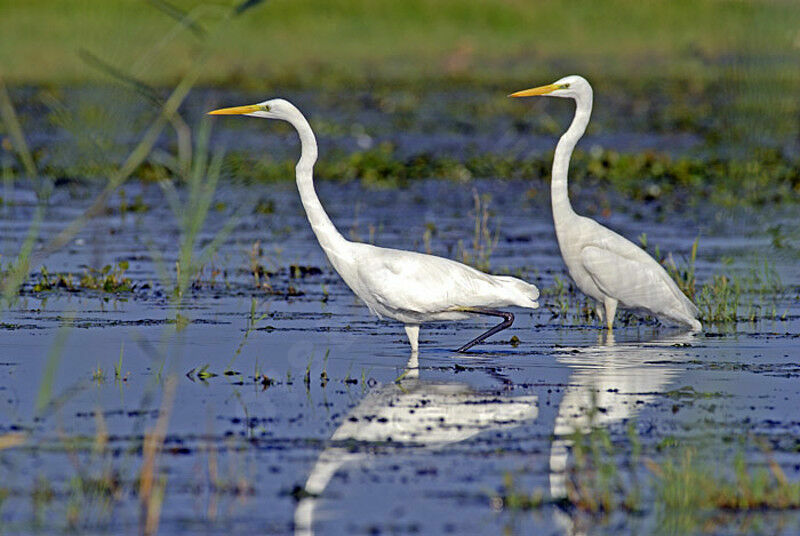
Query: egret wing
(408, 281)
(636, 283)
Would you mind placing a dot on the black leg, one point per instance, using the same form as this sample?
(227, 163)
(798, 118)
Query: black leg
(508, 319)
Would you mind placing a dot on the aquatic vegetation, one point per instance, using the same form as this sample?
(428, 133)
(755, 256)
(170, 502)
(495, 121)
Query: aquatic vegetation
(13, 276)
(252, 321)
(260, 274)
(49, 282)
(152, 481)
(118, 375)
(719, 299)
(689, 491)
(98, 375)
(136, 206)
(757, 178)
(484, 240)
(109, 278)
(685, 490)
(567, 303)
(759, 288)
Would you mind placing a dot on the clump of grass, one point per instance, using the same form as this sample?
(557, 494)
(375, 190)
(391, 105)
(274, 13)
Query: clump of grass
(323, 376)
(718, 300)
(721, 298)
(98, 375)
(260, 273)
(513, 498)
(252, 321)
(118, 376)
(136, 206)
(595, 481)
(47, 281)
(567, 303)
(689, 493)
(109, 278)
(484, 240)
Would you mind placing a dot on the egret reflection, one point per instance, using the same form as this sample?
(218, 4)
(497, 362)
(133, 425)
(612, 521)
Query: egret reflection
(410, 413)
(619, 379)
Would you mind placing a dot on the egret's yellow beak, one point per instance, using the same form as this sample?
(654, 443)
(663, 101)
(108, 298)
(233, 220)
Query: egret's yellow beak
(541, 90)
(238, 110)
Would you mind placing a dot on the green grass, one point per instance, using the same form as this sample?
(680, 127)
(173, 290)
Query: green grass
(751, 180)
(109, 278)
(308, 39)
(690, 489)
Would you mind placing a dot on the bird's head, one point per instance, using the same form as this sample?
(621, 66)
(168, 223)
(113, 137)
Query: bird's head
(571, 87)
(269, 109)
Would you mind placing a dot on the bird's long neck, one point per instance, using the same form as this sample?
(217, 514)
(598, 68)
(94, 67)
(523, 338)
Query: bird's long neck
(328, 236)
(559, 192)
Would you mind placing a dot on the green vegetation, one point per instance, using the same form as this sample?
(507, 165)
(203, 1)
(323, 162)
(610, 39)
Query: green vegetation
(688, 491)
(765, 178)
(483, 239)
(566, 302)
(314, 40)
(680, 67)
(109, 278)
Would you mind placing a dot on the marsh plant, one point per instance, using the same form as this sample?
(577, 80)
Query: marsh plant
(16, 146)
(752, 294)
(566, 303)
(687, 488)
(191, 208)
(484, 235)
(188, 176)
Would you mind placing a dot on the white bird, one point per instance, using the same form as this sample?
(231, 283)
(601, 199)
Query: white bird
(404, 285)
(604, 265)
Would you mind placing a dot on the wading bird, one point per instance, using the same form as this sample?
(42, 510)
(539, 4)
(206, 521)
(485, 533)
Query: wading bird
(406, 286)
(604, 265)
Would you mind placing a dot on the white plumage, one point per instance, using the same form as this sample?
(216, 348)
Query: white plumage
(403, 285)
(604, 265)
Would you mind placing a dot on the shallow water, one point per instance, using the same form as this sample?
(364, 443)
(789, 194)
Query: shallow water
(423, 454)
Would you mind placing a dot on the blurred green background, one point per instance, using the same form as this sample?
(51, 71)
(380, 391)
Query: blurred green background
(700, 97)
(308, 40)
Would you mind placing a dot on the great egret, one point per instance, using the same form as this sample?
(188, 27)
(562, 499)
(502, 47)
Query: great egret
(603, 264)
(404, 285)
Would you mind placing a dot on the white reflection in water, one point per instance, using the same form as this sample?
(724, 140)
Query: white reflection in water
(416, 413)
(618, 379)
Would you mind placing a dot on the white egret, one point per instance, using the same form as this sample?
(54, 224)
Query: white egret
(604, 265)
(404, 285)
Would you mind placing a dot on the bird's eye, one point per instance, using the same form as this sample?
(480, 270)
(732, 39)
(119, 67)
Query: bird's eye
(563, 86)
(264, 107)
